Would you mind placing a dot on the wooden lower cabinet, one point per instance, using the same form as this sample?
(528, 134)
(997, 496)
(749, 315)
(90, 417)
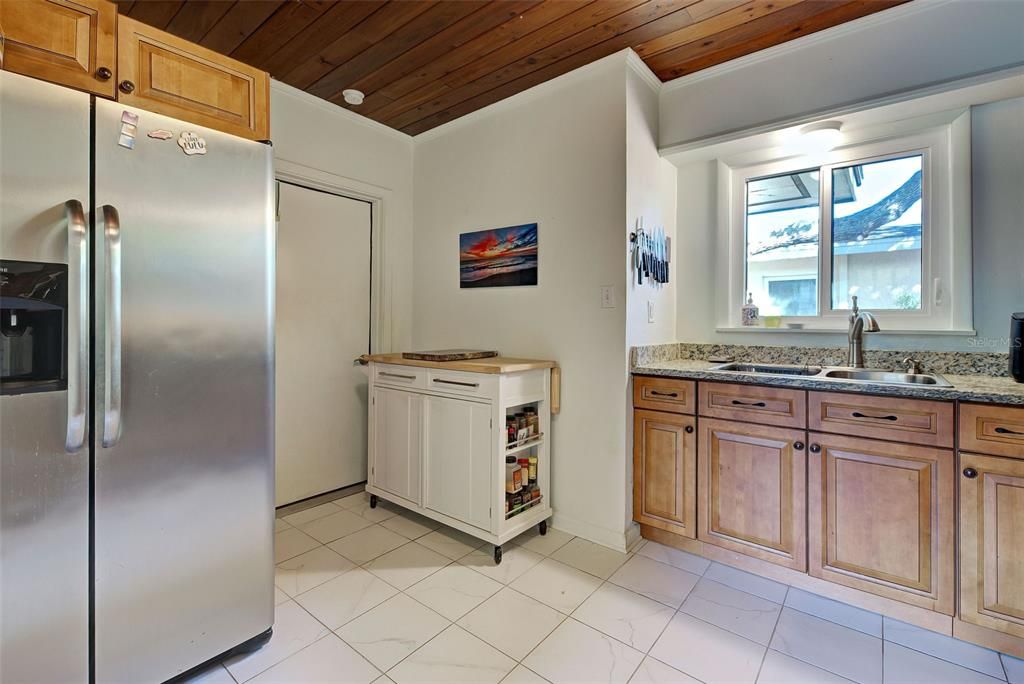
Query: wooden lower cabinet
(881, 518)
(752, 490)
(68, 42)
(664, 471)
(992, 542)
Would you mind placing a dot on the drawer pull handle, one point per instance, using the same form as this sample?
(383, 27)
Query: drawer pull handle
(858, 414)
(970, 473)
(799, 446)
(755, 404)
(398, 375)
(815, 448)
(656, 393)
(456, 382)
(1008, 431)
(689, 429)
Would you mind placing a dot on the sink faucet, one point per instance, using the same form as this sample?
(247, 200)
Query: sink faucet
(860, 323)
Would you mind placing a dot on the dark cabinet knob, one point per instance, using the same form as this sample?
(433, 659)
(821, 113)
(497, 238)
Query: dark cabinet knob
(104, 74)
(689, 429)
(126, 87)
(799, 446)
(970, 473)
(815, 448)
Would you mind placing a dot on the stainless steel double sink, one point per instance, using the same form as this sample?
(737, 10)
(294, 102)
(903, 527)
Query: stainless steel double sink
(862, 375)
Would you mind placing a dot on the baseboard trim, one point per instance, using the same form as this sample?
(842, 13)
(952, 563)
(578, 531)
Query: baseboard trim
(598, 535)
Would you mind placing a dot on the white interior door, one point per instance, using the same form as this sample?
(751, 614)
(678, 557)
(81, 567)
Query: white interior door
(323, 323)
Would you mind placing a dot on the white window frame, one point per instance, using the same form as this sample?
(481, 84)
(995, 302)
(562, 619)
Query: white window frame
(946, 290)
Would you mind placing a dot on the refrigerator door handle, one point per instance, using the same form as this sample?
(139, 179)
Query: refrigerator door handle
(112, 327)
(78, 324)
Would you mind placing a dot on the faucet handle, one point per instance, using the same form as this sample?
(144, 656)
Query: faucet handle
(854, 308)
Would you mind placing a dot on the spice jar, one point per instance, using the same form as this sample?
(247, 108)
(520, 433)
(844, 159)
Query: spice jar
(511, 429)
(532, 468)
(513, 475)
(532, 420)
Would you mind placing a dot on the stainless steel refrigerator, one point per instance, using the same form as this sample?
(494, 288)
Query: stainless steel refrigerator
(136, 398)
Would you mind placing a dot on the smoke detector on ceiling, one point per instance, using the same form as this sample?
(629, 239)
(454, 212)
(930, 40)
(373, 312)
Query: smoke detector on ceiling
(353, 97)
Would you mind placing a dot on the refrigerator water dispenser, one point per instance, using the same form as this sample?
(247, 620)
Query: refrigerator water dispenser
(33, 327)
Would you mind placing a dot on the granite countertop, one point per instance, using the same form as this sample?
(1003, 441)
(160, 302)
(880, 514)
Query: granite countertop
(976, 388)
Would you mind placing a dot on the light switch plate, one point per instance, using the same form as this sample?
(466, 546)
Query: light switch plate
(607, 297)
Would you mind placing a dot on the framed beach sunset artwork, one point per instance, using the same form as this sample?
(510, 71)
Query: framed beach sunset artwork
(502, 257)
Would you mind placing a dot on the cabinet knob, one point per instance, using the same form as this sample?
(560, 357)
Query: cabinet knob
(126, 87)
(799, 446)
(689, 428)
(970, 473)
(104, 74)
(815, 448)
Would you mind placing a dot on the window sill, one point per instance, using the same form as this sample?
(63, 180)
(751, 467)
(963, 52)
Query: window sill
(843, 331)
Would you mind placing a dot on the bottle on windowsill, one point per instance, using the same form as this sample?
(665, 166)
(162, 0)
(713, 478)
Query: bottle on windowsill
(750, 311)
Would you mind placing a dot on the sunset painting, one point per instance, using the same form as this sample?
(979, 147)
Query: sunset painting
(501, 257)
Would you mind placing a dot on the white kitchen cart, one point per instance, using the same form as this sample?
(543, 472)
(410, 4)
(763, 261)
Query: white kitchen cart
(438, 440)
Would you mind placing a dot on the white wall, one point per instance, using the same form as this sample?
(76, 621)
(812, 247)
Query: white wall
(900, 49)
(997, 166)
(650, 195)
(554, 155)
(997, 177)
(331, 144)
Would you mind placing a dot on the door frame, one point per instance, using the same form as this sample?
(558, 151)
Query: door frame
(380, 333)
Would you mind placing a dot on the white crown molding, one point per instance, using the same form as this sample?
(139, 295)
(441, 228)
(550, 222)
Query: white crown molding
(525, 96)
(331, 108)
(640, 68)
(797, 44)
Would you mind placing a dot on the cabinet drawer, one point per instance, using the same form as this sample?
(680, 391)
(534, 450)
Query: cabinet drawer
(996, 430)
(467, 384)
(399, 376)
(897, 420)
(663, 394)
(752, 404)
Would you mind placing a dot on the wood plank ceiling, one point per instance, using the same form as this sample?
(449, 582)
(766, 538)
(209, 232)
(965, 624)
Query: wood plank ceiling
(423, 63)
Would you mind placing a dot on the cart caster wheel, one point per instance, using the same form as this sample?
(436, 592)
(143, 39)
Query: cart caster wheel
(497, 555)
(543, 527)
(373, 501)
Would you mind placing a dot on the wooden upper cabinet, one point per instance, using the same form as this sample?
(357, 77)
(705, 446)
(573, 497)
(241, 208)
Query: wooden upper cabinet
(880, 518)
(752, 491)
(664, 471)
(69, 42)
(992, 542)
(167, 75)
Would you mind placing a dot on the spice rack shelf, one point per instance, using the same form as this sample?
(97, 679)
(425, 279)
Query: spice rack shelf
(524, 444)
(519, 509)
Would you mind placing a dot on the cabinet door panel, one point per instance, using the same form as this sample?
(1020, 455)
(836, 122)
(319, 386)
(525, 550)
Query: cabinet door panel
(172, 76)
(397, 442)
(992, 543)
(62, 41)
(880, 518)
(458, 460)
(664, 471)
(752, 491)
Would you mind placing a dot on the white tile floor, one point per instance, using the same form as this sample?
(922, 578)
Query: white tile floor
(379, 595)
